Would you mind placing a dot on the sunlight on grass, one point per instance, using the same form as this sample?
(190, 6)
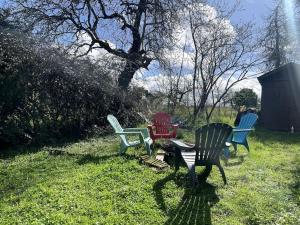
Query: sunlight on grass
(92, 184)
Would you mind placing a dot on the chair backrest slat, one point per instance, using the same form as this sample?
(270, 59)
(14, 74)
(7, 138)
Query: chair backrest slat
(114, 123)
(161, 122)
(210, 140)
(117, 127)
(247, 122)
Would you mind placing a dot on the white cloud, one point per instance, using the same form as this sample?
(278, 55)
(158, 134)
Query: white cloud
(211, 23)
(251, 83)
(161, 83)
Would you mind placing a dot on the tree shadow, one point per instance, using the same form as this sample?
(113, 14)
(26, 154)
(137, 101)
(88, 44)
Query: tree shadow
(89, 158)
(13, 151)
(195, 205)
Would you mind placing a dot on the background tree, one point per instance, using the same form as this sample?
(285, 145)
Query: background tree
(281, 39)
(245, 97)
(223, 55)
(129, 29)
(210, 57)
(174, 82)
(276, 39)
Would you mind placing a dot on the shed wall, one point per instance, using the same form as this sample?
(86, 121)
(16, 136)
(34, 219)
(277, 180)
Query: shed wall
(276, 105)
(280, 101)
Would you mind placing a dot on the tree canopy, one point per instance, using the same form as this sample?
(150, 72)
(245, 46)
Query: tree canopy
(281, 41)
(245, 97)
(132, 30)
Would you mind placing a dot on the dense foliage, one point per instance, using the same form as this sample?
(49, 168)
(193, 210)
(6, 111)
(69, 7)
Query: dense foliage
(245, 97)
(45, 95)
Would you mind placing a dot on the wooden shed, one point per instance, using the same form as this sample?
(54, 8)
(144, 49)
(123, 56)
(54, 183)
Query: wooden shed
(280, 100)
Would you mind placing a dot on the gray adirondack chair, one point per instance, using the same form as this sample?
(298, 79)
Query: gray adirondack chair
(209, 143)
(144, 137)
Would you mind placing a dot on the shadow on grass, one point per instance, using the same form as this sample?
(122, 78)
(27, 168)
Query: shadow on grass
(266, 136)
(234, 159)
(195, 205)
(88, 158)
(13, 151)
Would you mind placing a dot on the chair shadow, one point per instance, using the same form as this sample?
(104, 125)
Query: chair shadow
(229, 162)
(195, 205)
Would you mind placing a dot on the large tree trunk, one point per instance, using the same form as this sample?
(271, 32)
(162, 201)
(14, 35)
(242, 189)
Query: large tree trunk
(134, 63)
(199, 109)
(127, 74)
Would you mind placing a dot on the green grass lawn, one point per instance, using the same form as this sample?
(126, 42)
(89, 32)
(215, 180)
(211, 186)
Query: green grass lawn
(93, 185)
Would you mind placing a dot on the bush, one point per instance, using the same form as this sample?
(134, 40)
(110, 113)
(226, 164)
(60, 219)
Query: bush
(46, 95)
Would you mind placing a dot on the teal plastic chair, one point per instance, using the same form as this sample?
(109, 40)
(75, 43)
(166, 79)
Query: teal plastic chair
(144, 137)
(239, 134)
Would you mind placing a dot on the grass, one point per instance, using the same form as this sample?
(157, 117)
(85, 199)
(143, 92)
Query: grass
(93, 185)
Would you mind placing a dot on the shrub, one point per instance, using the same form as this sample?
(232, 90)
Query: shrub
(47, 95)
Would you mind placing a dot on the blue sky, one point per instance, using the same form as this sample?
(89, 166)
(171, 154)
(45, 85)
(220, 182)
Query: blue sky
(251, 10)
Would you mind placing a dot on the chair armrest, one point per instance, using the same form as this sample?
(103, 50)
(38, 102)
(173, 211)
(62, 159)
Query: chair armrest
(144, 131)
(134, 129)
(242, 130)
(129, 132)
(181, 145)
(174, 127)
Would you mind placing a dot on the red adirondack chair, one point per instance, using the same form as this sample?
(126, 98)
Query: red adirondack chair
(161, 127)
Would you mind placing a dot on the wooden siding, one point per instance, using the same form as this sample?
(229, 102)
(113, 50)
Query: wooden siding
(280, 100)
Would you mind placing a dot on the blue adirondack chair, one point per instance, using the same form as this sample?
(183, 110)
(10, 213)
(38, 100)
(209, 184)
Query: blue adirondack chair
(239, 134)
(144, 137)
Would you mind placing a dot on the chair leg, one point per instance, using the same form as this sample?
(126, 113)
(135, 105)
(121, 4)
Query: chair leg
(222, 173)
(177, 158)
(123, 148)
(246, 145)
(226, 152)
(148, 148)
(192, 174)
(204, 175)
(235, 147)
